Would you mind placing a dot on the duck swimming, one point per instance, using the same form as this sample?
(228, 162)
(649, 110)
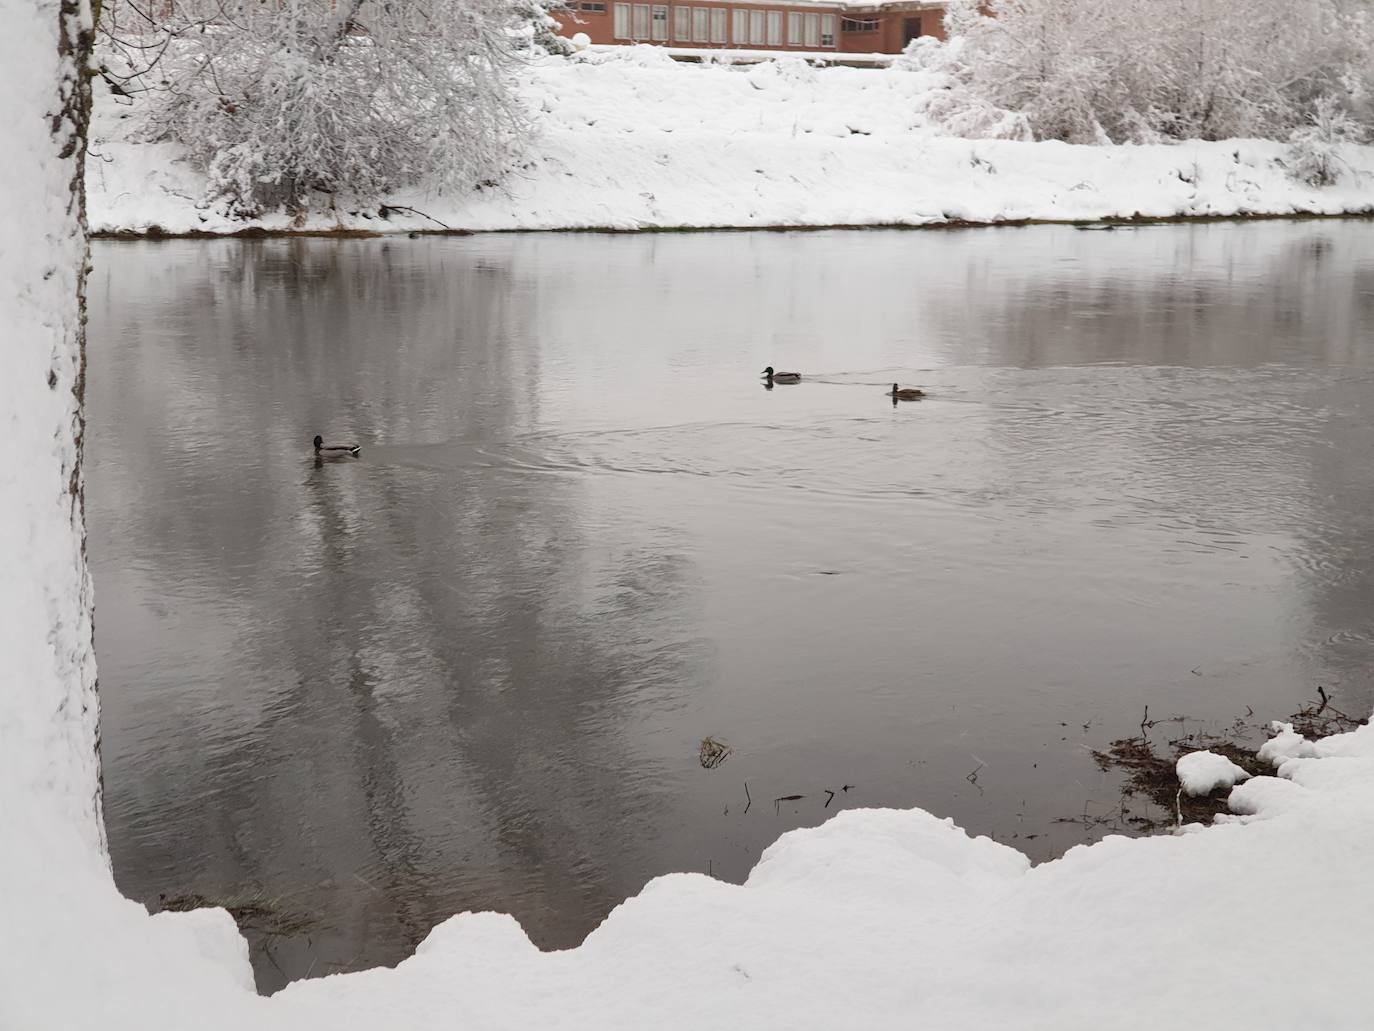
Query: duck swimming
(322, 448)
(781, 377)
(905, 393)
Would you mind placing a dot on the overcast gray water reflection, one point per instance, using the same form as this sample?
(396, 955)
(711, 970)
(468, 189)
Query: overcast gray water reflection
(471, 669)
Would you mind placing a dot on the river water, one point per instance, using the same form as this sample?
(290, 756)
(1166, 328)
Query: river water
(472, 668)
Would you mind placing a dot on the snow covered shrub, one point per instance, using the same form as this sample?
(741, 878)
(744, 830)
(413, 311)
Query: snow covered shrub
(540, 27)
(962, 17)
(951, 101)
(1097, 71)
(1313, 152)
(282, 99)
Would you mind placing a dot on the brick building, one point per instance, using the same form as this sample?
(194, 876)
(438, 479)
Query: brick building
(798, 25)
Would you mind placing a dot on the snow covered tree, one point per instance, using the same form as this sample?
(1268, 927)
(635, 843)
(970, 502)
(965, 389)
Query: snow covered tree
(961, 17)
(1092, 71)
(279, 101)
(534, 18)
(1314, 152)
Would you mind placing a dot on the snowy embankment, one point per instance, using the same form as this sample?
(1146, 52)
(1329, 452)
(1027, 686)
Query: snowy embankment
(634, 140)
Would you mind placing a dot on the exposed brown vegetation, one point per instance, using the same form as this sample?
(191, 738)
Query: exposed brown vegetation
(1151, 780)
(713, 752)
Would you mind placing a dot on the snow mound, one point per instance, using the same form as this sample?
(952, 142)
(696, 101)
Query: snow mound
(1284, 745)
(1202, 772)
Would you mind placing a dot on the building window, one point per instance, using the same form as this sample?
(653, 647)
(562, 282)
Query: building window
(794, 29)
(593, 8)
(756, 35)
(701, 24)
(813, 30)
(622, 21)
(682, 24)
(741, 27)
(827, 30)
(718, 23)
(660, 24)
(641, 22)
(775, 28)
(859, 24)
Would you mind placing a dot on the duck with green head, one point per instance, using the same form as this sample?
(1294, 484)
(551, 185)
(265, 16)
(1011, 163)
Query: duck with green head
(781, 377)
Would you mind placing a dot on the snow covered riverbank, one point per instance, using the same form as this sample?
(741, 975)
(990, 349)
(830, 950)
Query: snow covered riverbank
(633, 140)
(876, 919)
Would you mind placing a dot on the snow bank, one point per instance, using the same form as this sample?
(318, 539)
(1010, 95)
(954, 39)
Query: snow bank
(66, 936)
(635, 140)
(876, 919)
(1202, 772)
(1284, 745)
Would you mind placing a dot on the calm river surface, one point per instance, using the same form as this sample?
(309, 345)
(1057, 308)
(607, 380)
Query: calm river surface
(472, 669)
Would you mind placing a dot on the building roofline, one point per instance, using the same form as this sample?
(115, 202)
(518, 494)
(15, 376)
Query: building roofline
(836, 6)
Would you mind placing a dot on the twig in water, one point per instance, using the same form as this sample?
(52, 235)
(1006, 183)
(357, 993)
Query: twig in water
(777, 802)
(747, 800)
(830, 798)
(1321, 693)
(387, 209)
(267, 951)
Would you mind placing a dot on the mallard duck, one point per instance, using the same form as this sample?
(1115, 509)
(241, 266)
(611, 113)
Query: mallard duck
(905, 393)
(322, 448)
(781, 377)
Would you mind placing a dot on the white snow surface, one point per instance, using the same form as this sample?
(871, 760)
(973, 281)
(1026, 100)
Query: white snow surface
(627, 138)
(1202, 772)
(1284, 745)
(877, 919)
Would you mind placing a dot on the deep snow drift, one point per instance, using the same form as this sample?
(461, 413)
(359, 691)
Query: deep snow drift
(630, 139)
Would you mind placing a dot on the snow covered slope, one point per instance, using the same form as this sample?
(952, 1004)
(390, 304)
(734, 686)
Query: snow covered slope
(631, 139)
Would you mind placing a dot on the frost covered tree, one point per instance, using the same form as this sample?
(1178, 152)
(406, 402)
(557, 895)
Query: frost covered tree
(278, 101)
(1314, 152)
(1096, 71)
(533, 18)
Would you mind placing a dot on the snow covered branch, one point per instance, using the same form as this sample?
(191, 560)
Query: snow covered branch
(279, 102)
